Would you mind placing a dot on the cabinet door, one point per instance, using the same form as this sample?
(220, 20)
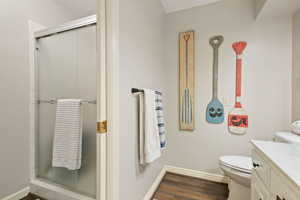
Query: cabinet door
(256, 194)
(281, 189)
(258, 190)
(261, 167)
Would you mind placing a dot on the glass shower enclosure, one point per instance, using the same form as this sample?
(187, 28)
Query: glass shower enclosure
(66, 68)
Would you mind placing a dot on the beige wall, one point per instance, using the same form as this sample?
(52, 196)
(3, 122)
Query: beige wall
(14, 85)
(296, 67)
(142, 53)
(266, 80)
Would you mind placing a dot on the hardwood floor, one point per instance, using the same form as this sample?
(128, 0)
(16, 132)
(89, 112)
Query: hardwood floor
(178, 187)
(31, 196)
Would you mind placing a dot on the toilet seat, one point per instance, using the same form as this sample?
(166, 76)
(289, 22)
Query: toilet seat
(240, 163)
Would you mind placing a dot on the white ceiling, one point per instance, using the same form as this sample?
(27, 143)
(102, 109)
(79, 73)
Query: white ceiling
(88, 7)
(176, 5)
(79, 7)
(273, 8)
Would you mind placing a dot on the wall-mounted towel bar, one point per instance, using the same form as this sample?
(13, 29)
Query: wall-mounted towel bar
(54, 101)
(135, 90)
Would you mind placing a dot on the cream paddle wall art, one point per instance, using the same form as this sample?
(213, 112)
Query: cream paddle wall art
(215, 109)
(238, 118)
(187, 80)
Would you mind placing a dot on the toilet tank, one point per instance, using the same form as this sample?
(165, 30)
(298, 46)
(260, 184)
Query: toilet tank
(287, 137)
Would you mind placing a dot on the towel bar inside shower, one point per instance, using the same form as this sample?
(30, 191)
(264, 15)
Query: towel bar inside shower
(54, 101)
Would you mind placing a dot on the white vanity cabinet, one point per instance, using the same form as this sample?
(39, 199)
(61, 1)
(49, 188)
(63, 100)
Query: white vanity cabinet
(276, 172)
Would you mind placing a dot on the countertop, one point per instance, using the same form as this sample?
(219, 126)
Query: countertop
(286, 157)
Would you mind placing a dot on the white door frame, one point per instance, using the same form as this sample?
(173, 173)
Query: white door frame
(101, 105)
(108, 41)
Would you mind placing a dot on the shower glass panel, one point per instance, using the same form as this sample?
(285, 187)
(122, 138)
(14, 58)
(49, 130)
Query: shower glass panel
(66, 69)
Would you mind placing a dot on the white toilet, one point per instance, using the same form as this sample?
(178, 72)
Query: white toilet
(237, 168)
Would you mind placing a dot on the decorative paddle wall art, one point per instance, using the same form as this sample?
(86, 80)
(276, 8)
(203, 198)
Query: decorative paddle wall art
(215, 109)
(238, 118)
(187, 80)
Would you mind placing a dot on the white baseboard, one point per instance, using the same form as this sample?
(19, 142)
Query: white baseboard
(186, 172)
(18, 195)
(155, 184)
(198, 174)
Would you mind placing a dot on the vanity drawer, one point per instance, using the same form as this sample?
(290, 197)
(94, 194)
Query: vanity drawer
(261, 168)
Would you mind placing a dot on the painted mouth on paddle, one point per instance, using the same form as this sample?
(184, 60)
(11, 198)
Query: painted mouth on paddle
(238, 121)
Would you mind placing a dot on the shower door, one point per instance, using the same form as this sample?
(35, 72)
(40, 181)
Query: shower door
(66, 69)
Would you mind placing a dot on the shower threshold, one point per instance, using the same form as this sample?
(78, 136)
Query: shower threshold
(31, 196)
(54, 191)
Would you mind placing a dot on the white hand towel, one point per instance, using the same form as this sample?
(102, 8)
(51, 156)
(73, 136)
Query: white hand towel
(152, 139)
(67, 145)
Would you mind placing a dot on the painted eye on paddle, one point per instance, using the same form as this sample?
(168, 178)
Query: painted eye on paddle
(215, 112)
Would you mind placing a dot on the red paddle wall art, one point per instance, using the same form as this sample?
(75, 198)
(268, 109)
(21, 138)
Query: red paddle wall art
(238, 118)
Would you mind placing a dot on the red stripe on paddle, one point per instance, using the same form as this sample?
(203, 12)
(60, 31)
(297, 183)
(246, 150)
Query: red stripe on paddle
(238, 90)
(238, 48)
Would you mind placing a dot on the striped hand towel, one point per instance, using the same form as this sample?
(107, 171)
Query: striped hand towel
(160, 120)
(152, 140)
(68, 134)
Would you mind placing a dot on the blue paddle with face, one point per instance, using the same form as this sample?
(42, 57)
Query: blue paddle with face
(215, 109)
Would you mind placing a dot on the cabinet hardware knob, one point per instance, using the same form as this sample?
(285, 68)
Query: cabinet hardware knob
(255, 165)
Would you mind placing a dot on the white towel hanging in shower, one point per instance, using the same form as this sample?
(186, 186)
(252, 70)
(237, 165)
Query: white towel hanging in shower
(67, 145)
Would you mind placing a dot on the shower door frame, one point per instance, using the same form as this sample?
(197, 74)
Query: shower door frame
(108, 16)
(101, 168)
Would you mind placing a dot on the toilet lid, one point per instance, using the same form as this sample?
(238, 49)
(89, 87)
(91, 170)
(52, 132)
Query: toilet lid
(241, 163)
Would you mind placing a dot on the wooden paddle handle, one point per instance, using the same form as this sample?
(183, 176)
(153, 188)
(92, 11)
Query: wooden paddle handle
(215, 42)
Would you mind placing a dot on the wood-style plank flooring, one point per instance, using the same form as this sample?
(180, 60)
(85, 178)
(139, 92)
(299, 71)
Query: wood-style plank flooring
(178, 187)
(31, 196)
